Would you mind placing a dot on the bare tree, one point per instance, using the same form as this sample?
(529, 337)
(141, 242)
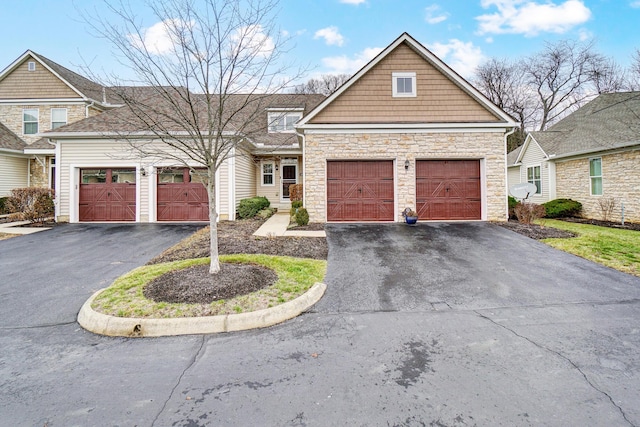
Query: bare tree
(206, 78)
(561, 75)
(503, 83)
(633, 73)
(606, 75)
(326, 84)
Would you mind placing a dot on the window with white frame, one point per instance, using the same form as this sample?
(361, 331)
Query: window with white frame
(58, 117)
(595, 175)
(283, 121)
(533, 177)
(268, 174)
(31, 66)
(404, 84)
(30, 121)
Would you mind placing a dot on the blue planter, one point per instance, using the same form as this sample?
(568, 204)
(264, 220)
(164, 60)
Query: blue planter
(411, 219)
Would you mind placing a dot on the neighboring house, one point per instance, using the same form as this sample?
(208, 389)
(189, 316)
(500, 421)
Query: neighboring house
(592, 156)
(405, 131)
(37, 95)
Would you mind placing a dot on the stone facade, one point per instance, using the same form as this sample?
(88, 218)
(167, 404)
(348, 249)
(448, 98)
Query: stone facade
(11, 117)
(485, 146)
(620, 180)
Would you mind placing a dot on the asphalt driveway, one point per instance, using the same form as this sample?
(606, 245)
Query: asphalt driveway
(459, 335)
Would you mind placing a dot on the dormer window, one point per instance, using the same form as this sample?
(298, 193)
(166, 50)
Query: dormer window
(31, 66)
(283, 121)
(404, 85)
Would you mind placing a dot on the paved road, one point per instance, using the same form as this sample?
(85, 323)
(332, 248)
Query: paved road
(458, 336)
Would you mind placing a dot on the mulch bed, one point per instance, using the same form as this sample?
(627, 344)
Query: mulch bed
(610, 224)
(194, 285)
(534, 231)
(314, 226)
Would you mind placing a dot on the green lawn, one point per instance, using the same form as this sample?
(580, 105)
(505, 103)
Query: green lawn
(615, 248)
(124, 298)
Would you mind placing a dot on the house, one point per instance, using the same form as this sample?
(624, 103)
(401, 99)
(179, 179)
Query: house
(37, 95)
(405, 131)
(592, 156)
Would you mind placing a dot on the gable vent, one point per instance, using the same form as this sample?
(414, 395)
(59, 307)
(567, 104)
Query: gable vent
(31, 66)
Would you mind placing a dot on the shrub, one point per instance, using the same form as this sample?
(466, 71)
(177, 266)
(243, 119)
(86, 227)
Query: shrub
(529, 212)
(3, 205)
(562, 208)
(302, 217)
(31, 204)
(266, 213)
(296, 204)
(249, 208)
(607, 205)
(295, 192)
(512, 206)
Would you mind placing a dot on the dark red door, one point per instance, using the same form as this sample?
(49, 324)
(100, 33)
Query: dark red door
(360, 191)
(107, 195)
(448, 189)
(181, 196)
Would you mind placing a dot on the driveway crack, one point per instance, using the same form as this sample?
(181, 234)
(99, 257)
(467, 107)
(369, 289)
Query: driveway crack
(192, 362)
(44, 325)
(562, 356)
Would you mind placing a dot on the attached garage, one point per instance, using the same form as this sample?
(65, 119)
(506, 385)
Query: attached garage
(107, 194)
(360, 190)
(448, 189)
(181, 196)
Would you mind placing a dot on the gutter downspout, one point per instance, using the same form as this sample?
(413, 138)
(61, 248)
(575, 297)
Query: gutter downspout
(506, 170)
(86, 108)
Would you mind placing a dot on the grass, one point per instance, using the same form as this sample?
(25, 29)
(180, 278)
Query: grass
(612, 247)
(4, 236)
(125, 298)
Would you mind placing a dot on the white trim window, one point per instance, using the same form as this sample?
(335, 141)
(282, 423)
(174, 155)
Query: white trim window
(595, 176)
(31, 66)
(58, 117)
(404, 85)
(30, 121)
(283, 122)
(268, 174)
(533, 177)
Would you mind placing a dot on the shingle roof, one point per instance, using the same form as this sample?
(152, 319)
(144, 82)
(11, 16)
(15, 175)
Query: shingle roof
(9, 140)
(610, 121)
(123, 120)
(512, 156)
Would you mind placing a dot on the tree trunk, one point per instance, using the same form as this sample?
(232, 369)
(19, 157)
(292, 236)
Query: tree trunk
(214, 266)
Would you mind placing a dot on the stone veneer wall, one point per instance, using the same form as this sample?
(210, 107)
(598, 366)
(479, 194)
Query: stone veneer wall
(11, 117)
(400, 147)
(620, 180)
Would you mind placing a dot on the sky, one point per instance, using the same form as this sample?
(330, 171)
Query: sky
(340, 36)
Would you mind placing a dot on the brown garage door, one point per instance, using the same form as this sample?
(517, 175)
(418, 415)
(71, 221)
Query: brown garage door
(181, 196)
(448, 189)
(360, 191)
(107, 195)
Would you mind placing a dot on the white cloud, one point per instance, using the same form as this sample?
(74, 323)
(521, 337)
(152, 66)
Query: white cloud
(635, 4)
(531, 18)
(331, 36)
(433, 14)
(253, 41)
(345, 65)
(463, 57)
(584, 35)
(159, 39)
(356, 2)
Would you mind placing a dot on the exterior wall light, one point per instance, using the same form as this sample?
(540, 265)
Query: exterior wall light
(406, 164)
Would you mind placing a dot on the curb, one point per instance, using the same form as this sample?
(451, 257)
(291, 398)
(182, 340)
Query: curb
(104, 324)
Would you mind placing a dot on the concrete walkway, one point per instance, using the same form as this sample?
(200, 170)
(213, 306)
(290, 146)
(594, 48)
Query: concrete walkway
(277, 226)
(16, 228)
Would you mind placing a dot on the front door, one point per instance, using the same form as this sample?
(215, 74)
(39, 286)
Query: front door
(289, 177)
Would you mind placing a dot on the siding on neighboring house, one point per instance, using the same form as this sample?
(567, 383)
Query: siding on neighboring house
(369, 100)
(534, 156)
(488, 147)
(620, 180)
(14, 173)
(245, 179)
(513, 176)
(41, 83)
(223, 191)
